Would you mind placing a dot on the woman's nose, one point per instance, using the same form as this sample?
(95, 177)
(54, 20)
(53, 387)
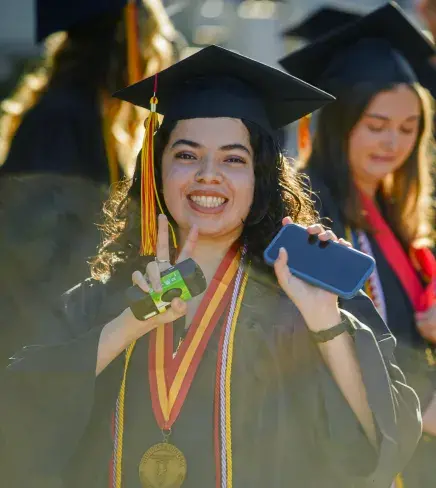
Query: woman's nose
(209, 172)
(391, 140)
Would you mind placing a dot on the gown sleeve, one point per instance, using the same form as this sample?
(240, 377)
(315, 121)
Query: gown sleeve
(48, 390)
(339, 443)
(394, 404)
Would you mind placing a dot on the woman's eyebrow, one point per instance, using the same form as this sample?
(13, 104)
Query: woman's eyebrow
(186, 142)
(231, 147)
(196, 145)
(384, 118)
(376, 116)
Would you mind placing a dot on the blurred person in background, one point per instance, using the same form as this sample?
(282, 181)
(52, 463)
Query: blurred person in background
(61, 118)
(43, 251)
(63, 140)
(69, 135)
(370, 168)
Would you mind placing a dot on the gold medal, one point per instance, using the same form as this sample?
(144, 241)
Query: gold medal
(162, 466)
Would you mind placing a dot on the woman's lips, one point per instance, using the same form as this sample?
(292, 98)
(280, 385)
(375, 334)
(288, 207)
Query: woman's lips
(210, 203)
(382, 159)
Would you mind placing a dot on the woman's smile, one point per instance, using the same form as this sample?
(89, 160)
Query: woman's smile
(205, 201)
(208, 175)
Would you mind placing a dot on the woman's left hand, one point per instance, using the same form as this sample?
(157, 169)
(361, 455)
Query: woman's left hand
(426, 324)
(318, 307)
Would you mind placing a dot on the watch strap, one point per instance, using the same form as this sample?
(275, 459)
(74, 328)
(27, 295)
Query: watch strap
(345, 325)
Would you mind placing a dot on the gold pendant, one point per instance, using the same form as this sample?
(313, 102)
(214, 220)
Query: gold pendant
(162, 466)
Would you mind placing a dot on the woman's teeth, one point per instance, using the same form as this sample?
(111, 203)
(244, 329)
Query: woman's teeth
(209, 202)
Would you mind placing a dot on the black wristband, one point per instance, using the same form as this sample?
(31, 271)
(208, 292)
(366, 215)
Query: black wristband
(344, 325)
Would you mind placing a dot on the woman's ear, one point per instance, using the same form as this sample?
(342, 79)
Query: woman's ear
(304, 141)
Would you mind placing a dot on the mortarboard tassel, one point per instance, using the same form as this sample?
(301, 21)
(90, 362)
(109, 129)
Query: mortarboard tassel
(303, 136)
(134, 74)
(132, 37)
(149, 193)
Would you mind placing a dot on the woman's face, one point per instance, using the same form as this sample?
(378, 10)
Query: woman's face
(208, 175)
(385, 135)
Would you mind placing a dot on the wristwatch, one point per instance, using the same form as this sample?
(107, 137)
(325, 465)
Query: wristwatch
(345, 325)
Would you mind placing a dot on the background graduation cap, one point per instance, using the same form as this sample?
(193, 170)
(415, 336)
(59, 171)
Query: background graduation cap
(214, 82)
(382, 46)
(62, 15)
(322, 21)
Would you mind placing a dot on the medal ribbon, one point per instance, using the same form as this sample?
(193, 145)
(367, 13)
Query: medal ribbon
(170, 378)
(226, 291)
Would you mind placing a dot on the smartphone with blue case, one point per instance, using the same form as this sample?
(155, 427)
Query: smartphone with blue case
(327, 265)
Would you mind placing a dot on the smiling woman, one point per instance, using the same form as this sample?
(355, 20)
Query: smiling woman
(220, 150)
(385, 136)
(262, 380)
(213, 176)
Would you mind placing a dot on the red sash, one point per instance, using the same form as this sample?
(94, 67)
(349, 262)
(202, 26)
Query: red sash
(405, 267)
(171, 377)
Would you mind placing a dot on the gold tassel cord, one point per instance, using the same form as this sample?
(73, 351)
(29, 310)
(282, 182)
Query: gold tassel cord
(134, 75)
(303, 135)
(132, 37)
(149, 193)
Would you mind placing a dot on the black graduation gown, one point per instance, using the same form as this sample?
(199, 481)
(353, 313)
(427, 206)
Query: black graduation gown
(48, 233)
(61, 134)
(291, 425)
(410, 352)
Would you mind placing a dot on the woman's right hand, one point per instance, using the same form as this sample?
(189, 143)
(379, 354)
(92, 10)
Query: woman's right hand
(426, 324)
(151, 278)
(118, 334)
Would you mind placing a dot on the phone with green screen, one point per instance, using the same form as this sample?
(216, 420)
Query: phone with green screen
(184, 280)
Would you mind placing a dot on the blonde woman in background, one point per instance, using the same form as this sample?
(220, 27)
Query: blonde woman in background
(61, 118)
(63, 140)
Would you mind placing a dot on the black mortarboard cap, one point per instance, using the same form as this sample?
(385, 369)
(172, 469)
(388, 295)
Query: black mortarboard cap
(62, 15)
(216, 82)
(383, 46)
(322, 21)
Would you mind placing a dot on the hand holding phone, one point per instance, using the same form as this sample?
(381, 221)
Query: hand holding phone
(328, 265)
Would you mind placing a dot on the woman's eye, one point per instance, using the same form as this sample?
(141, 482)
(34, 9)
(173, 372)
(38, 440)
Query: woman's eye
(185, 156)
(375, 128)
(407, 130)
(235, 159)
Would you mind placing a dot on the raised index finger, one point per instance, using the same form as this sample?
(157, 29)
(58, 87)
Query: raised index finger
(190, 244)
(163, 243)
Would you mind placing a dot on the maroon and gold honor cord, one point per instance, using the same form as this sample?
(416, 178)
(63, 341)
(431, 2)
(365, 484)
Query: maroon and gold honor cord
(170, 378)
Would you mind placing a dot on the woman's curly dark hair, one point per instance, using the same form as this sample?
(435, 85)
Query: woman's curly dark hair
(279, 191)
